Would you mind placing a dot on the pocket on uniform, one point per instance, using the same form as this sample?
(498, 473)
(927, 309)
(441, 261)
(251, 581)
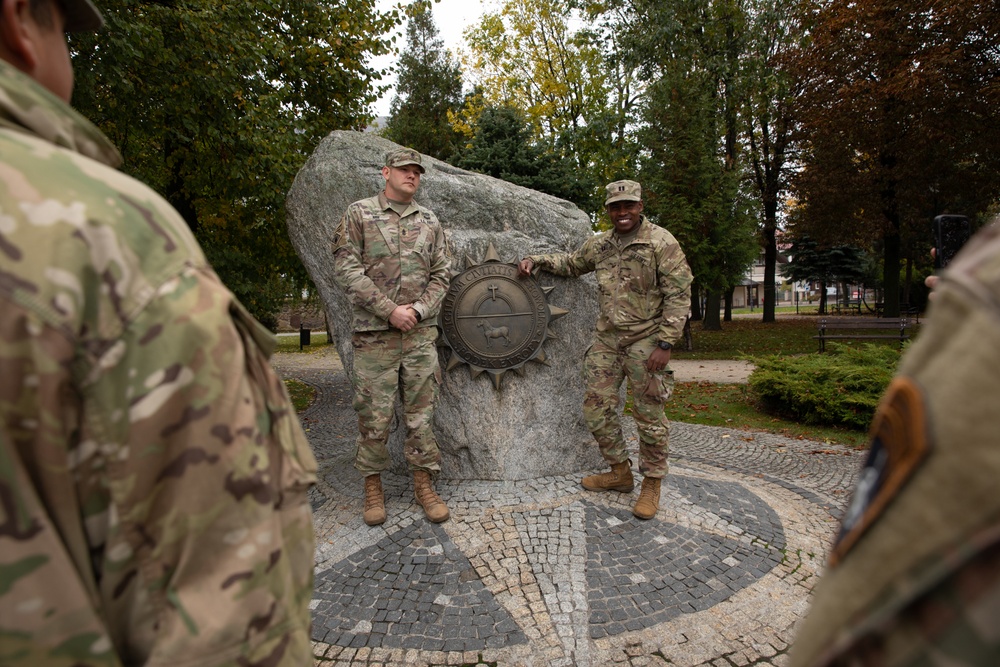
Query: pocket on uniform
(659, 386)
(298, 464)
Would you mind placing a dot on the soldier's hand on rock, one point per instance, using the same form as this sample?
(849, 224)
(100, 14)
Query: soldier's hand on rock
(658, 360)
(403, 318)
(524, 268)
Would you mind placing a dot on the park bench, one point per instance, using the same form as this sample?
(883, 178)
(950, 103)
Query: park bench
(845, 328)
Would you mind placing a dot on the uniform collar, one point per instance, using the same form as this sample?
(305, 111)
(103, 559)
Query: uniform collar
(641, 234)
(27, 106)
(383, 203)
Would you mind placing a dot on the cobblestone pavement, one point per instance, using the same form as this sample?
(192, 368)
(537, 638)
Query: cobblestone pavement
(541, 572)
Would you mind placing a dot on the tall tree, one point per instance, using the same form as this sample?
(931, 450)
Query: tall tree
(502, 146)
(774, 28)
(812, 262)
(429, 89)
(217, 105)
(900, 109)
(578, 99)
(690, 51)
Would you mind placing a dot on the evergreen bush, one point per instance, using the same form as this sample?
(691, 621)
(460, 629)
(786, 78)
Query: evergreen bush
(841, 387)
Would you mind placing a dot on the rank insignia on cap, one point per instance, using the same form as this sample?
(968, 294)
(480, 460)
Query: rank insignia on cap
(898, 444)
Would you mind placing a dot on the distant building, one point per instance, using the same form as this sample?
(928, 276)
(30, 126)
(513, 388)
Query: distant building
(750, 291)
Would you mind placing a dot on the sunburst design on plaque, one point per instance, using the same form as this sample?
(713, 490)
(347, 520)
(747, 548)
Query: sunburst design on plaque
(494, 321)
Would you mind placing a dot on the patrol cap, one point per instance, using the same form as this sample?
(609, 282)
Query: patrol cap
(403, 156)
(623, 191)
(80, 15)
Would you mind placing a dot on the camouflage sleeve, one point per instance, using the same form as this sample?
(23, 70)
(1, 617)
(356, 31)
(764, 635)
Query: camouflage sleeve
(170, 467)
(573, 264)
(349, 269)
(674, 278)
(49, 601)
(429, 303)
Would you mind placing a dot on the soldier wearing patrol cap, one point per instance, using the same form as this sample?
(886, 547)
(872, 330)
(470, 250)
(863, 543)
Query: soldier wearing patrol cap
(914, 572)
(391, 259)
(153, 474)
(644, 295)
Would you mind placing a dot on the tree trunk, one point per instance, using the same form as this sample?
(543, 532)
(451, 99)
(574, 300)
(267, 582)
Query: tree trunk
(822, 297)
(696, 301)
(890, 278)
(728, 301)
(713, 301)
(770, 259)
(908, 283)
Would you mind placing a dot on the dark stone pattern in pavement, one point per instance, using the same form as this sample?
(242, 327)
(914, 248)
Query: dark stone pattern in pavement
(642, 574)
(734, 503)
(412, 590)
(539, 572)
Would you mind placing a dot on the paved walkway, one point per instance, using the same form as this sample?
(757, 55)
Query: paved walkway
(540, 572)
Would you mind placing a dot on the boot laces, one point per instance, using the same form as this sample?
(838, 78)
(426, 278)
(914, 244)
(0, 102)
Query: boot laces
(428, 496)
(372, 495)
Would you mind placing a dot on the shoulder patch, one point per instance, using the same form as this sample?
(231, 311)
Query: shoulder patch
(898, 445)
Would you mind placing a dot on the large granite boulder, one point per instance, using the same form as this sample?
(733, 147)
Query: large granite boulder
(533, 426)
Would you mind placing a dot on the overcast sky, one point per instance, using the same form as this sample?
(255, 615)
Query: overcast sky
(452, 17)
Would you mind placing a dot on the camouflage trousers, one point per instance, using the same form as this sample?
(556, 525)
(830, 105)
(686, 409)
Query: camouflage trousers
(605, 367)
(387, 363)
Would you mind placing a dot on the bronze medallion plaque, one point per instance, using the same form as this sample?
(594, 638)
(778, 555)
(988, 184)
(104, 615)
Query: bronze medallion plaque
(492, 319)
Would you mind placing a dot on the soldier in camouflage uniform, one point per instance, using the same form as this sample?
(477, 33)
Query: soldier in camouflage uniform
(914, 574)
(391, 259)
(644, 294)
(153, 474)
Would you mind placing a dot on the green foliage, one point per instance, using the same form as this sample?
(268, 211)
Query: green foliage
(217, 104)
(773, 30)
(692, 164)
(561, 70)
(841, 387)
(502, 147)
(732, 406)
(429, 89)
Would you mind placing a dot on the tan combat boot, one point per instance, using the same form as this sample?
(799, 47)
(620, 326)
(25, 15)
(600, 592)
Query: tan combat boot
(374, 502)
(649, 498)
(619, 479)
(434, 507)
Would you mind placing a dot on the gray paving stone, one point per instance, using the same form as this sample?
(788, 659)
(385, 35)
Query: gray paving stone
(541, 572)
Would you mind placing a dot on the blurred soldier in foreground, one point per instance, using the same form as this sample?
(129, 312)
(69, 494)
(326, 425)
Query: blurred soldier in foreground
(391, 259)
(153, 474)
(644, 294)
(914, 574)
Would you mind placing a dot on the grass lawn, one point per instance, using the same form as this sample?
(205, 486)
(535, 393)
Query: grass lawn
(302, 395)
(317, 341)
(744, 338)
(731, 406)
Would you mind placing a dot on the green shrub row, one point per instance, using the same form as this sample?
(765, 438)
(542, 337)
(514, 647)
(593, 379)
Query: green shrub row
(841, 387)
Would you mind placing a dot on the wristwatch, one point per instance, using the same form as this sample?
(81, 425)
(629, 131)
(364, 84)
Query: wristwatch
(664, 345)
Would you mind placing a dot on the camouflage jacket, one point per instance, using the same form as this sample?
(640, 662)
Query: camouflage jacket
(644, 288)
(383, 260)
(153, 474)
(914, 576)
